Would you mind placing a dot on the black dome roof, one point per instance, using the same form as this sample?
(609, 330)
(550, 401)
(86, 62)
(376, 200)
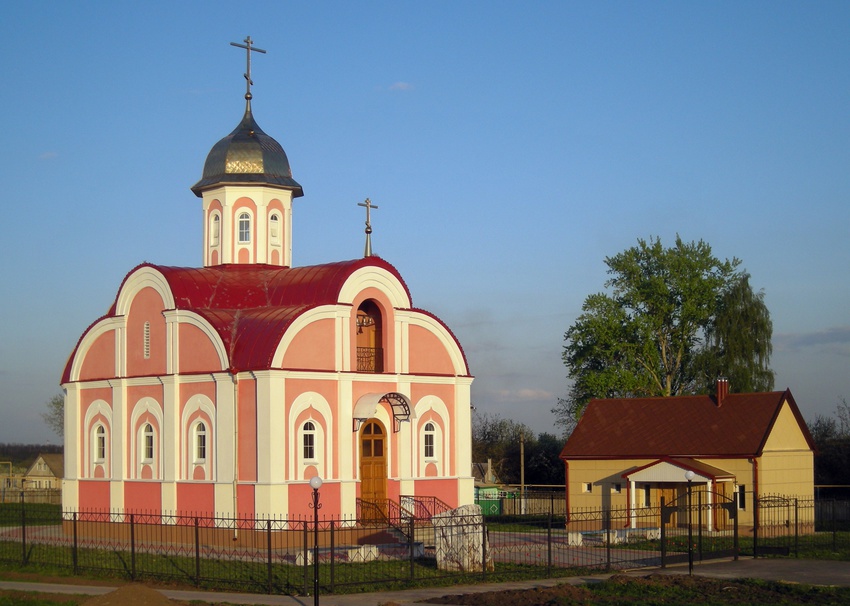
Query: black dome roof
(245, 156)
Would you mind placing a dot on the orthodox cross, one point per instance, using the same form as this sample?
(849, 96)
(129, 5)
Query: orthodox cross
(248, 46)
(368, 206)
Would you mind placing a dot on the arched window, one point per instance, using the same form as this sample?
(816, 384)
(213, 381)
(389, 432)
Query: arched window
(244, 228)
(215, 230)
(99, 444)
(428, 438)
(200, 443)
(147, 443)
(274, 229)
(308, 440)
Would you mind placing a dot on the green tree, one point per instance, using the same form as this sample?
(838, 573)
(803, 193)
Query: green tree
(54, 416)
(738, 342)
(670, 315)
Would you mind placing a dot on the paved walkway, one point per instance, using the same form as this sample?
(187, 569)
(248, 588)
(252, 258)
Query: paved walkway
(812, 572)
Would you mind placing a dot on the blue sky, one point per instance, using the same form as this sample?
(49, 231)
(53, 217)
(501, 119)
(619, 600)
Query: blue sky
(511, 147)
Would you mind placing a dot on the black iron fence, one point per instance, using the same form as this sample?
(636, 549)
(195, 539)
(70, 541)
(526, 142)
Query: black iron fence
(283, 555)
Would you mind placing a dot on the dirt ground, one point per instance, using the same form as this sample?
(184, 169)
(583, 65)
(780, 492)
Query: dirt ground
(654, 589)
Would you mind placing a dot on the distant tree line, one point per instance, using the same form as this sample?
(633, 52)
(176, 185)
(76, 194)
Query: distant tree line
(832, 440)
(503, 440)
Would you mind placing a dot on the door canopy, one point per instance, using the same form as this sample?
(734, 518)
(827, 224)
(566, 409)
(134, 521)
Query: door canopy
(367, 406)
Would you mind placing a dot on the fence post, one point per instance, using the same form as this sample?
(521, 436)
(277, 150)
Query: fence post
(74, 552)
(132, 547)
(832, 511)
(755, 525)
(607, 517)
(333, 557)
(306, 563)
(483, 547)
(197, 554)
(796, 528)
(411, 544)
(663, 537)
(699, 523)
(737, 513)
(269, 554)
(549, 541)
(23, 531)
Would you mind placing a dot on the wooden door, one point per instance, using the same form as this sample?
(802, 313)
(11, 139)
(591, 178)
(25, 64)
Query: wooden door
(373, 463)
(669, 493)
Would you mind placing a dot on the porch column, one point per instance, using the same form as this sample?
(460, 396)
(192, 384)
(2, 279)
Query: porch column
(632, 514)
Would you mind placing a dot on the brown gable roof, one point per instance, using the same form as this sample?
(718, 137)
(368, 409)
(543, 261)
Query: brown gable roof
(685, 426)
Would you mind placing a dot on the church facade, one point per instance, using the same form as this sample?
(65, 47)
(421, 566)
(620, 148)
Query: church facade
(223, 390)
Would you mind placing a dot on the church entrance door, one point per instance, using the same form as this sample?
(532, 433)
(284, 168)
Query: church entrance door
(373, 467)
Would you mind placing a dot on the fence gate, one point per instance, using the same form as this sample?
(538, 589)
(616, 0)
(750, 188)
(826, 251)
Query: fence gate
(698, 524)
(776, 530)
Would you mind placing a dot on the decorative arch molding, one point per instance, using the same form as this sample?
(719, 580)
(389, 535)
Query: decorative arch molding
(438, 329)
(374, 277)
(146, 405)
(325, 312)
(199, 408)
(435, 405)
(302, 403)
(144, 277)
(367, 407)
(182, 316)
(96, 331)
(97, 410)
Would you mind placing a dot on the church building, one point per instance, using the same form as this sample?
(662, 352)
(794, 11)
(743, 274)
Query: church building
(224, 389)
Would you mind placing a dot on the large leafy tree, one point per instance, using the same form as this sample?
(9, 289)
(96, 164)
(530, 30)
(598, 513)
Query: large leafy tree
(670, 325)
(54, 416)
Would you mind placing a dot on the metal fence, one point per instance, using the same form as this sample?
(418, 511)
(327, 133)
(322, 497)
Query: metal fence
(286, 555)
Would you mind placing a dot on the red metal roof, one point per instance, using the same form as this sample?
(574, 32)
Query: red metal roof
(251, 306)
(686, 426)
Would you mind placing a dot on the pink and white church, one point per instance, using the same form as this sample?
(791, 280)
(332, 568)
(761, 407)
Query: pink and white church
(224, 389)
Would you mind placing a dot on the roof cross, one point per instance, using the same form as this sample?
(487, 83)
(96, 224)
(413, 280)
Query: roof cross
(249, 47)
(369, 206)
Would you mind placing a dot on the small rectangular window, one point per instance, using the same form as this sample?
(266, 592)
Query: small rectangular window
(617, 488)
(309, 446)
(587, 487)
(647, 494)
(742, 496)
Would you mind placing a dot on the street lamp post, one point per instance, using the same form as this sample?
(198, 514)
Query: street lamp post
(315, 484)
(689, 476)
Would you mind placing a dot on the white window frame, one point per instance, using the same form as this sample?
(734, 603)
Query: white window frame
(243, 228)
(274, 228)
(308, 441)
(215, 230)
(200, 444)
(99, 444)
(148, 444)
(429, 431)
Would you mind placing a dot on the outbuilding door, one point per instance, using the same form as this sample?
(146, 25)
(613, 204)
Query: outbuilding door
(373, 463)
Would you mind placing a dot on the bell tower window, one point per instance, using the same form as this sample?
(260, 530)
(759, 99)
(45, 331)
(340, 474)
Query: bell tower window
(370, 351)
(244, 228)
(215, 230)
(274, 229)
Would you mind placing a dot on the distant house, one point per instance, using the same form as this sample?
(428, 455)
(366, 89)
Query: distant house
(45, 472)
(628, 453)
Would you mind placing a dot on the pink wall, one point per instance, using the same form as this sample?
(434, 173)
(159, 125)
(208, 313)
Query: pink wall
(303, 353)
(427, 354)
(99, 360)
(443, 489)
(147, 306)
(197, 353)
(142, 497)
(196, 498)
(94, 495)
(247, 430)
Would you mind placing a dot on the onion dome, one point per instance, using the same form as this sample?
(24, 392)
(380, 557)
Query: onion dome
(247, 156)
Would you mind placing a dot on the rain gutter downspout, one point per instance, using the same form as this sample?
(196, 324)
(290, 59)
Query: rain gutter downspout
(235, 451)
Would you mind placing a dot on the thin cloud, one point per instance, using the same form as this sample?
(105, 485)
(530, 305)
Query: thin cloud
(834, 340)
(48, 155)
(401, 86)
(525, 395)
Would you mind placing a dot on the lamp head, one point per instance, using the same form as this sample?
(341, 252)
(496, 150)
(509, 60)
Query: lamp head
(315, 482)
(689, 475)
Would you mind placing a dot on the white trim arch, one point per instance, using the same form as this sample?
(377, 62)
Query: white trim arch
(98, 408)
(144, 277)
(100, 328)
(322, 416)
(438, 329)
(442, 435)
(135, 461)
(325, 312)
(378, 278)
(199, 409)
(191, 318)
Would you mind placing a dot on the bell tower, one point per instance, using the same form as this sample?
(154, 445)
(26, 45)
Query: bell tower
(247, 191)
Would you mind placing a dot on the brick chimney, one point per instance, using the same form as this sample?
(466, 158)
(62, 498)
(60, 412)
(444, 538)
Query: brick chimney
(722, 390)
